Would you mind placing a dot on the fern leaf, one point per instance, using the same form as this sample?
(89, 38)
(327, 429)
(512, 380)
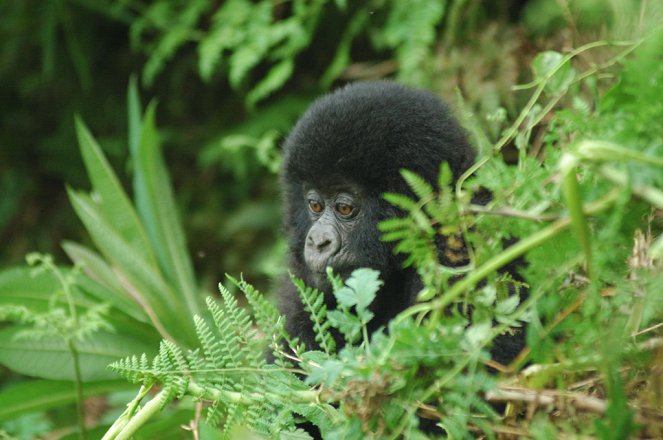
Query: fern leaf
(275, 78)
(314, 304)
(212, 351)
(266, 314)
(401, 201)
(422, 189)
(228, 343)
(178, 377)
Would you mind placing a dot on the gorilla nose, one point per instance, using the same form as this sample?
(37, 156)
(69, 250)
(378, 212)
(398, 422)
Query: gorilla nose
(321, 245)
(323, 242)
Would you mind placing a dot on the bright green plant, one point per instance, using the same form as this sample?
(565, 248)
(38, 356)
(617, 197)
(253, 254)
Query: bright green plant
(585, 217)
(244, 36)
(592, 312)
(117, 300)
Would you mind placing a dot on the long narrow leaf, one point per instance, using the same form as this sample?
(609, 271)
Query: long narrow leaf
(112, 199)
(147, 286)
(157, 208)
(104, 276)
(93, 265)
(134, 114)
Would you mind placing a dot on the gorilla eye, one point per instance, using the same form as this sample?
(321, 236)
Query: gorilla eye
(315, 206)
(344, 209)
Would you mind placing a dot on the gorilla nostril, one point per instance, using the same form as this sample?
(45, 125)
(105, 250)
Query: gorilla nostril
(322, 244)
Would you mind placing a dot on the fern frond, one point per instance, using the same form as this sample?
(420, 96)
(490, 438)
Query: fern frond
(266, 314)
(214, 414)
(133, 369)
(229, 342)
(314, 303)
(178, 374)
(401, 201)
(212, 351)
(241, 320)
(232, 416)
(422, 189)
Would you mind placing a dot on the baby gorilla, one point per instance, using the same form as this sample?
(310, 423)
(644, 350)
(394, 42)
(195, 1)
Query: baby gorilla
(342, 155)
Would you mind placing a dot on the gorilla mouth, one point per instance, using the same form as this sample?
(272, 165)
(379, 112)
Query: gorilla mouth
(319, 266)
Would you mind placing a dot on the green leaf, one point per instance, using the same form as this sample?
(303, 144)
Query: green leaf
(327, 373)
(507, 306)
(142, 280)
(401, 201)
(19, 286)
(157, 208)
(275, 78)
(365, 283)
(93, 265)
(422, 189)
(348, 324)
(49, 357)
(346, 296)
(134, 116)
(40, 395)
(476, 335)
(110, 196)
(550, 66)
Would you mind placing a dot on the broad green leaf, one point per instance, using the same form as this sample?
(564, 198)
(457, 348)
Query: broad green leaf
(346, 297)
(157, 208)
(110, 196)
(49, 358)
(19, 287)
(40, 395)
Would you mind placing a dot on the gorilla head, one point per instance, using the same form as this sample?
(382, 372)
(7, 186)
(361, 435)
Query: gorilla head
(342, 155)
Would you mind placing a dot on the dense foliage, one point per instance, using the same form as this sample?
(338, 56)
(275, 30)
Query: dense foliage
(573, 160)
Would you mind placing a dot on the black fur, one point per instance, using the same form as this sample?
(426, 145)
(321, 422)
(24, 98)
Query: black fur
(361, 136)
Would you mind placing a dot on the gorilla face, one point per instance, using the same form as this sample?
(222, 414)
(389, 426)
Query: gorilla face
(342, 232)
(333, 216)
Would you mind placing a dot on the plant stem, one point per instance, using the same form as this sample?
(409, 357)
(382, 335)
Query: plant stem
(78, 384)
(508, 255)
(140, 418)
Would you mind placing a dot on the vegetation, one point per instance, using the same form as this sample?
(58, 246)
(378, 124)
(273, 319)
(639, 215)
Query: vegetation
(573, 157)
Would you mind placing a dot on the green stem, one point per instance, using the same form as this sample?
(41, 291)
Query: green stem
(140, 418)
(649, 193)
(121, 421)
(509, 254)
(568, 165)
(540, 86)
(78, 384)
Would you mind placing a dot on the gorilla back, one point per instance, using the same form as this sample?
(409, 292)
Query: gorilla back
(341, 156)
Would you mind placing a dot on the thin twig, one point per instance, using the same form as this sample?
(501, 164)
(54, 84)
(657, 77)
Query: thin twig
(510, 212)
